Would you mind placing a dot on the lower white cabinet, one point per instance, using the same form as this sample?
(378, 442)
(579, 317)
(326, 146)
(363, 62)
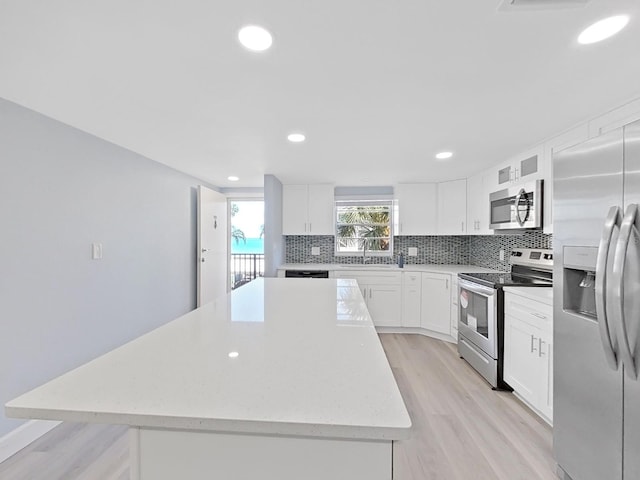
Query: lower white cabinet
(411, 299)
(382, 292)
(455, 307)
(528, 351)
(436, 302)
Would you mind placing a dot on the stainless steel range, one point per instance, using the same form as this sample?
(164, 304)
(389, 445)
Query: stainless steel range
(481, 320)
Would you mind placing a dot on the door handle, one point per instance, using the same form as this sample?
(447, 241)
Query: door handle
(533, 339)
(205, 250)
(602, 287)
(619, 261)
(540, 342)
(517, 205)
(369, 292)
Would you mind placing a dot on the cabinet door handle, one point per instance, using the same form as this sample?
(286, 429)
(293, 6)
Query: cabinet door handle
(462, 226)
(369, 292)
(540, 342)
(533, 339)
(400, 227)
(310, 227)
(539, 315)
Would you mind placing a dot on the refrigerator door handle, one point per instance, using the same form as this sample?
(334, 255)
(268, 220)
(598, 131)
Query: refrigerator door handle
(612, 220)
(619, 261)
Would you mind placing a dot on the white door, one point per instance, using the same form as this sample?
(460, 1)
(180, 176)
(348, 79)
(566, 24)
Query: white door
(212, 245)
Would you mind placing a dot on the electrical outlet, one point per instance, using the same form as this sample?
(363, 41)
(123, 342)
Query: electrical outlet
(502, 254)
(412, 251)
(315, 250)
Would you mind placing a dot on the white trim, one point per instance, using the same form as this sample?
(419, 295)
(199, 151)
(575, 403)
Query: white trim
(419, 331)
(24, 435)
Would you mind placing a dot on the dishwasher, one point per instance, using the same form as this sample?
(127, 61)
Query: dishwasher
(306, 273)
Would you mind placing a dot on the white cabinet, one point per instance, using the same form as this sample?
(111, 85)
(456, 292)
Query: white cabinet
(436, 302)
(478, 205)
(308, 210)
(528, 351)
(411, 299)
(455, 307)
(616, 118)
(416, 208)
(452, 207)
(382, 292)
(526, 166)
(551, 147)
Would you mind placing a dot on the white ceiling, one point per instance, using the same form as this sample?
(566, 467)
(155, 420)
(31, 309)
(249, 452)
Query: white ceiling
(377, 86)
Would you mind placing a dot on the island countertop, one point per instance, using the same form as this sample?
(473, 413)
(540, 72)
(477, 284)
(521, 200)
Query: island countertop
(275, 357)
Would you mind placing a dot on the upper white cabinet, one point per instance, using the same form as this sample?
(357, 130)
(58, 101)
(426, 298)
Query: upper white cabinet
(478, 205)
(308, 210)
(551, 147)
(416, 208)
(526, 166)
(616, 118)
(452, 207)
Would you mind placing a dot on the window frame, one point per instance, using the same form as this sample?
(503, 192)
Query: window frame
(357, 202)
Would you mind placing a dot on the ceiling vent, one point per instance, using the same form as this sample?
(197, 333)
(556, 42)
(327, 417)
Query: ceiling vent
(521, 5)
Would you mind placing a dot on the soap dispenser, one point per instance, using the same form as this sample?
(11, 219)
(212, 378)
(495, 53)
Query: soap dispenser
(401, 260)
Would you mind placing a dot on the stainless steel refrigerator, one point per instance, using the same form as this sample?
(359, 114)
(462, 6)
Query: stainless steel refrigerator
(596, 430)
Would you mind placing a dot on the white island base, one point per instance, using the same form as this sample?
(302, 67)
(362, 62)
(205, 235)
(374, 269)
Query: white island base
(158, 454)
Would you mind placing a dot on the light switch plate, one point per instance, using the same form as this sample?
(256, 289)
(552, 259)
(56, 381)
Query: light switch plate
(413, 251)
(315, 250)
(96, 251)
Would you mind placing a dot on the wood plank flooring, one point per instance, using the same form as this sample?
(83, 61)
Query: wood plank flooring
(461, 429)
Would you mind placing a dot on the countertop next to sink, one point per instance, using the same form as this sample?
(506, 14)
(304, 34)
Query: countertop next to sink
(434, 268)
(540, 294)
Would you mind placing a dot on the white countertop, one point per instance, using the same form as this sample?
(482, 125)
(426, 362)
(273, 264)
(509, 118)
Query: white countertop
(540, 294)
(309, 363)
(436, 268)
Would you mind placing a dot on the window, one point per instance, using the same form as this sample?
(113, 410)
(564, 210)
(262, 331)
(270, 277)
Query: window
(365, 223)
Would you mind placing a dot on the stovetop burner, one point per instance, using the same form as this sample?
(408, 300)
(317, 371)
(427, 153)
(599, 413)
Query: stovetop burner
(505, 279)
(531, 268)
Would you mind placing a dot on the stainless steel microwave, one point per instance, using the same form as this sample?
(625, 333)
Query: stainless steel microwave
(517, 207)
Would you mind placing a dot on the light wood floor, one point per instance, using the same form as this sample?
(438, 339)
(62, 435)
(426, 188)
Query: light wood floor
(461, 429)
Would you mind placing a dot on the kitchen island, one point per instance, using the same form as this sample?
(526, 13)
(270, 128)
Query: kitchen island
(280, 379)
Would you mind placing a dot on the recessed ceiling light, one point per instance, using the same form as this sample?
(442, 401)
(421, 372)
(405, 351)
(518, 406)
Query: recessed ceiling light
(233, 354)
(255, 38)
(444, 155)
(296, 137)
(233, 178)
(603, 29)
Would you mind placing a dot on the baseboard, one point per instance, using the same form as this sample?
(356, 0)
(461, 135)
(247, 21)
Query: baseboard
(25, 434)
(418, 331)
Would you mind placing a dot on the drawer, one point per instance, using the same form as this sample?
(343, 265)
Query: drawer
(530, 311)
(412, 279)
(371, 278)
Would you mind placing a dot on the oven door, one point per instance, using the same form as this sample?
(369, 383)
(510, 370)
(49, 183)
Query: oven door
(517, 207)
(478, 320)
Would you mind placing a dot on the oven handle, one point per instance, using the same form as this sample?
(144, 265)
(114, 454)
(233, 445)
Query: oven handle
(475, 288)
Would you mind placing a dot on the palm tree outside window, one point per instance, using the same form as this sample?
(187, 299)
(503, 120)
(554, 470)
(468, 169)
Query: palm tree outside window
(364, 223)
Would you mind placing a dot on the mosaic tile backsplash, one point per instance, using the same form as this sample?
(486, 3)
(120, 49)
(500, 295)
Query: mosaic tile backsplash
(457, 250)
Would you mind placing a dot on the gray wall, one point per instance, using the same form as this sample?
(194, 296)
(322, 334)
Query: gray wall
(60, 190)
(273, 239)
